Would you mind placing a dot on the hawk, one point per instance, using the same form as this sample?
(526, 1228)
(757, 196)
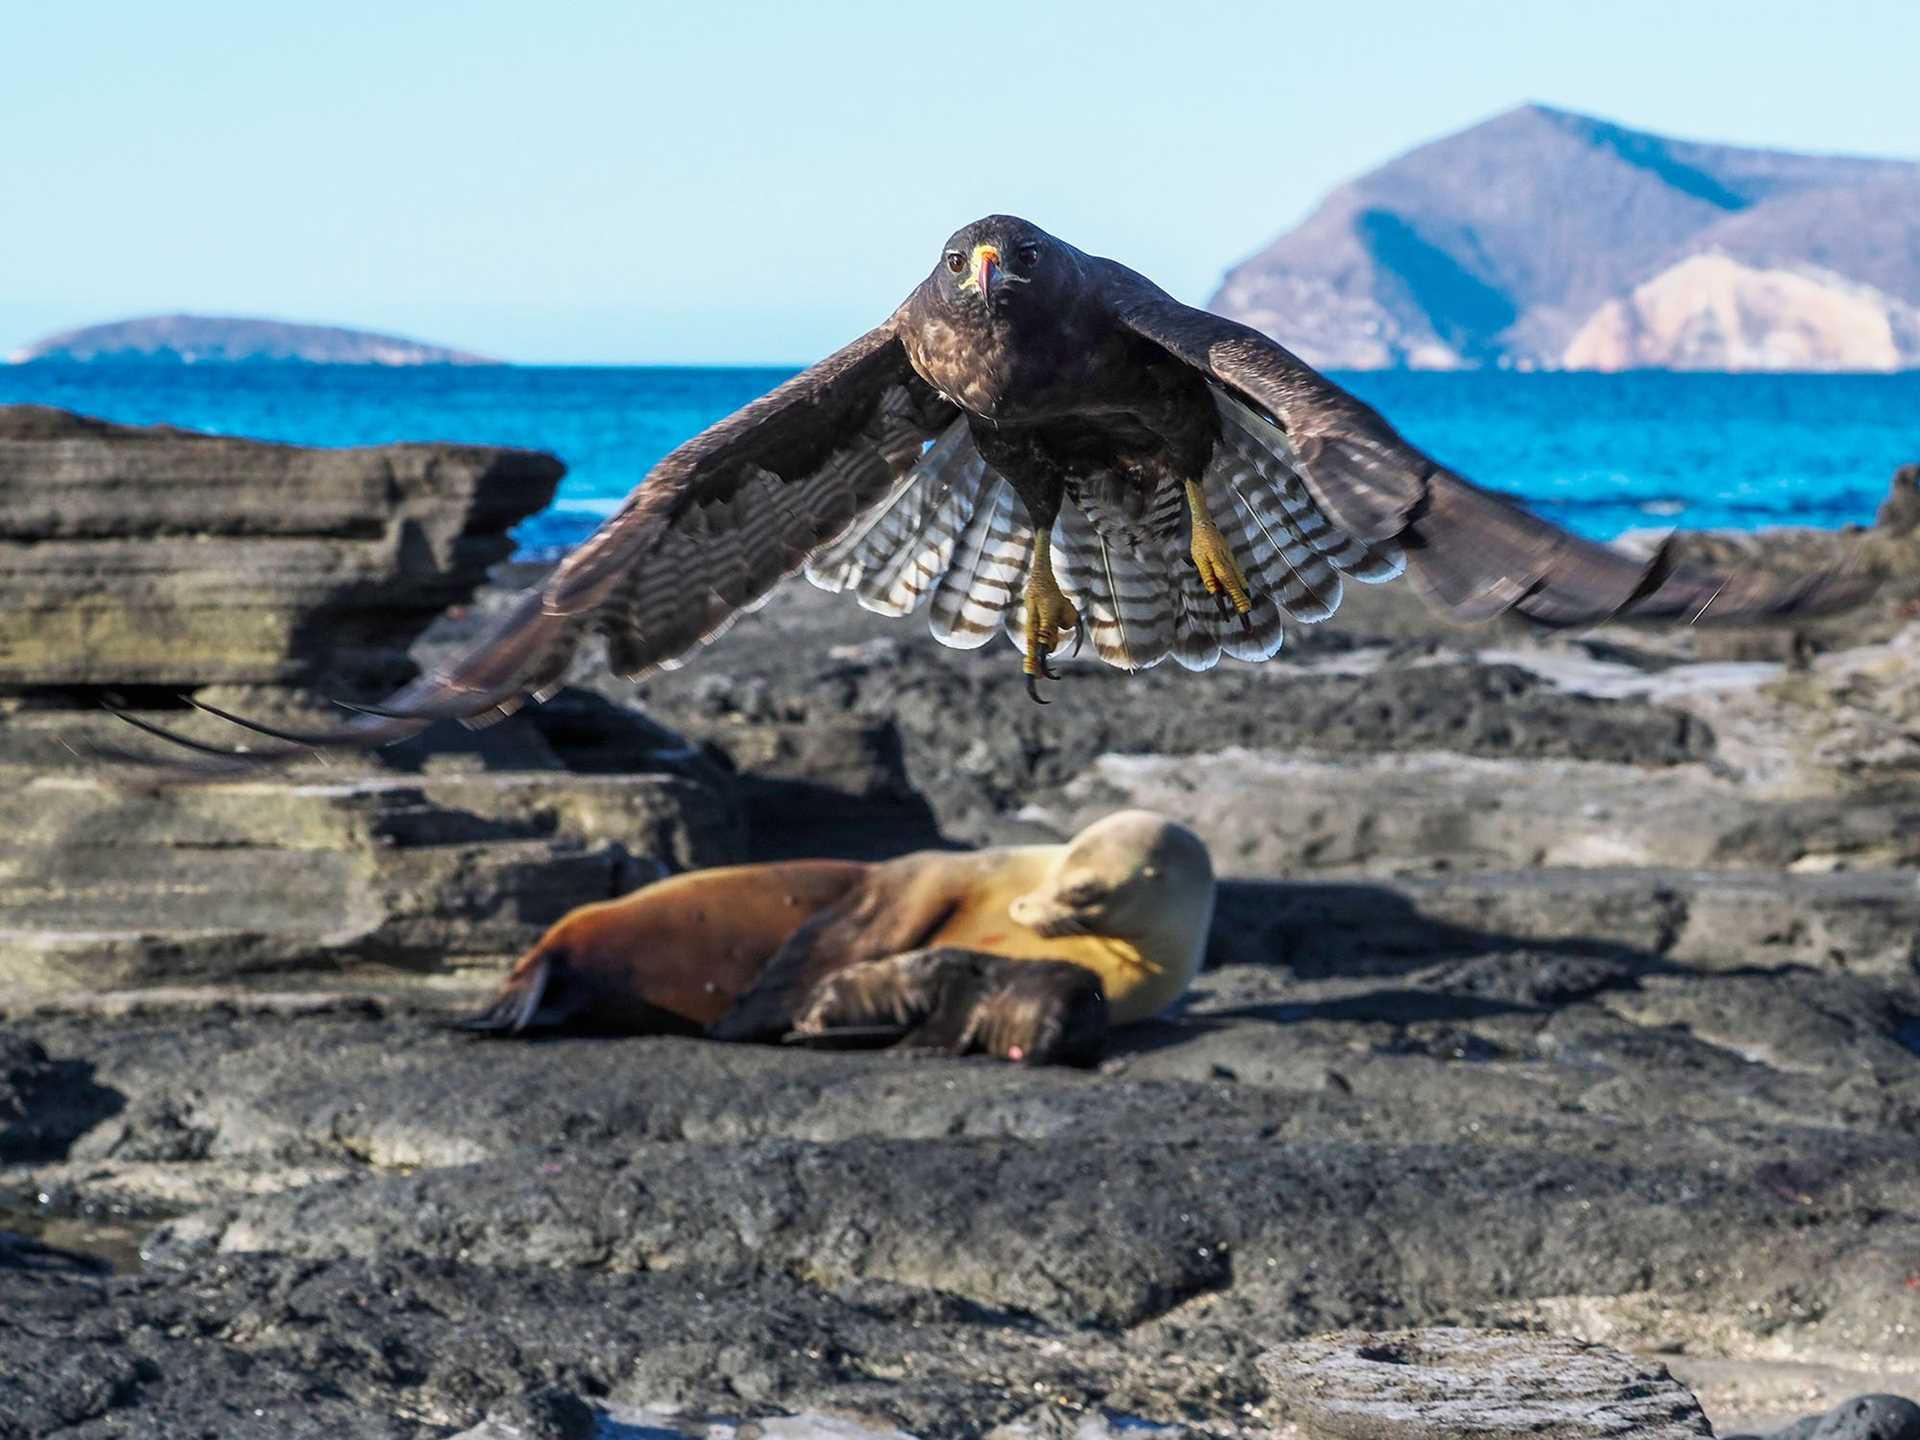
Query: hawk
(1044, 442)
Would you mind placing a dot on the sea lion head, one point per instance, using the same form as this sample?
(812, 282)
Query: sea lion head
(1132, 875)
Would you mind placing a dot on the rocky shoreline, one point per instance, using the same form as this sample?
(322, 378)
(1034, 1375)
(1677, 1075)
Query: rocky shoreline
(1563, 986)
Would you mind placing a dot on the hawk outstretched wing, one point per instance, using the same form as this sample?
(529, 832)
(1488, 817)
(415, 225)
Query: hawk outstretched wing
(1470, 552)
(706, 536)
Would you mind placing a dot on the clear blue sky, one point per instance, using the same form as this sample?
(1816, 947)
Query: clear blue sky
(714, 182)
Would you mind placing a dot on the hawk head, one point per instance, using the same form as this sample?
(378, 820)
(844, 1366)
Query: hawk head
(1002, 267)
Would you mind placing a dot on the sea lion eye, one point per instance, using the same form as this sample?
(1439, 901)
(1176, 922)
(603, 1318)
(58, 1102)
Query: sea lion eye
(1029, 256)
(956, 262)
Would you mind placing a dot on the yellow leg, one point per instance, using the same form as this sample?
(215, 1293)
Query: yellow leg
(1049, 612)
(1211, 556)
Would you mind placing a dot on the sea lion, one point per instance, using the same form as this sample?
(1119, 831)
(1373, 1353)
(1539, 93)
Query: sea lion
(670, 958)
(981, 951)
(1130, 898)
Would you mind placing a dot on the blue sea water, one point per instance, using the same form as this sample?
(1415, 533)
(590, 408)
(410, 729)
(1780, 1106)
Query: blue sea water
(1599, 453)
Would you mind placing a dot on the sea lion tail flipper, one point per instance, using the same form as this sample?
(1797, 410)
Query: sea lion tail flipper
(518, 1003)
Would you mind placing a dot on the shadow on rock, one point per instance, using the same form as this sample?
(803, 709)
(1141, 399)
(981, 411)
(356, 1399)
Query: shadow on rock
(46, 1104)
(23, 1252)
(1343, 928)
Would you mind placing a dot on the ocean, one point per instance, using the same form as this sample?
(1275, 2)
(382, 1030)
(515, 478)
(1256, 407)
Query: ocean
(1601, 454)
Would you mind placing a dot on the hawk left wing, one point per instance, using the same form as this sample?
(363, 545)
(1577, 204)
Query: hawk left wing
(1470, 553)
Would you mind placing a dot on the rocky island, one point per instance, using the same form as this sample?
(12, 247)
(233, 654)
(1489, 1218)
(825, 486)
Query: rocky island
(233, 340)
(1547, 240)
(1557, 1062)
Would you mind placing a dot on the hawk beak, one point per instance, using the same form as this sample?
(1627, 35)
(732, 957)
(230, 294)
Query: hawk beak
(986, 269)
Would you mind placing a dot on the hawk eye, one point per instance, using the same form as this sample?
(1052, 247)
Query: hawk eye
(1029, 256)
(956, 262)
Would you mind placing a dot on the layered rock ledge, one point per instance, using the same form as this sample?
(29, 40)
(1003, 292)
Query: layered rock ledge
(146, 566)
(158, 556)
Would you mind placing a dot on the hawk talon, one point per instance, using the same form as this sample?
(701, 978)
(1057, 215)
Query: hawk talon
(1213, 558)
(1228, 611)
(1049, 613)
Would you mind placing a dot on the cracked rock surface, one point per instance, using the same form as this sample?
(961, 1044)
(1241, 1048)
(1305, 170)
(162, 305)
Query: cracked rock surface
(383, 1220)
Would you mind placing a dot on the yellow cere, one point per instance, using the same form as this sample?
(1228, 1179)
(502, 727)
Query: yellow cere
(981, 254)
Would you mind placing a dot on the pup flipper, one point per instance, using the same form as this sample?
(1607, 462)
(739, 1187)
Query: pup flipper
(954, 1001)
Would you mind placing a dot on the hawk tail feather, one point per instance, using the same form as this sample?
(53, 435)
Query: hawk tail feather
(1122, 596)
(894, 553)
(988, 573)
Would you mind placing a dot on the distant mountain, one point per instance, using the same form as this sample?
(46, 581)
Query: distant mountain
(1543, 239)
(223, 340)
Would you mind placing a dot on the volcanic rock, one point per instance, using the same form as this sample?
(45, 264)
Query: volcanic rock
(1865, 1417)
(1446, 1384)
(160, 557)
(140, 566)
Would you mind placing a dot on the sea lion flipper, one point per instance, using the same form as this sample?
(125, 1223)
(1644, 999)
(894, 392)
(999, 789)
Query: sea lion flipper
(949, 1000)
(513, 1009)
(1042, 1012)
(895, 997)
(846, 1036)
(891, 909)
(767, 1010)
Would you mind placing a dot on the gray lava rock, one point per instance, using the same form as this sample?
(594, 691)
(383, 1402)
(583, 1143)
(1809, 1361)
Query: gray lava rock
(157, 560)
(1865, 1417)
(1899, 513)
(750, 1230)
(45, 1104)
(1463, 1384)
(259, 1348)
(115, 887)
(162, 557)
(1014, 749)
(551, 1413)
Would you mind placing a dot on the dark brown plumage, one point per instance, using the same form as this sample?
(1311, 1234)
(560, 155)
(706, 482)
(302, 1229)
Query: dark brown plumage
(1032, 413)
